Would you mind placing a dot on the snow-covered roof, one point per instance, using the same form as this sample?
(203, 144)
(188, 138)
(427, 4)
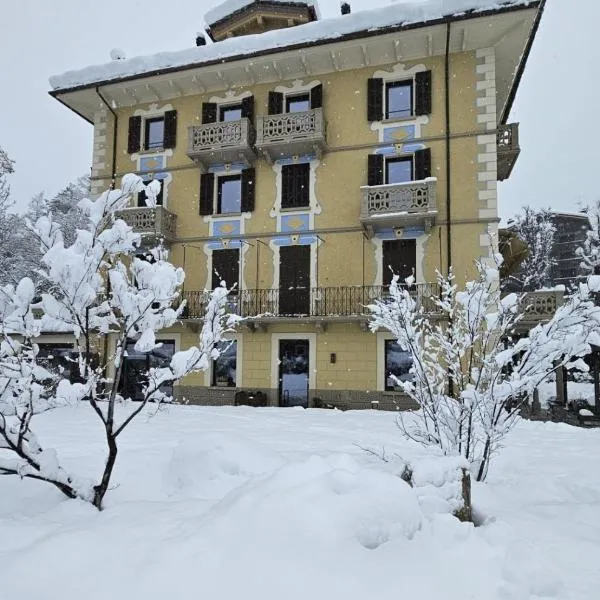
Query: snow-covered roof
(395, 15)
(229, 7)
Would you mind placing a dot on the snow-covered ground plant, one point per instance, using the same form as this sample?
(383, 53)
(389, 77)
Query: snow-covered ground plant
(470, 375)
(98, 287)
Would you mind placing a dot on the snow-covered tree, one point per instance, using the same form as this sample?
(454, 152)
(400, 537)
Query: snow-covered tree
(97, 288)
(536, 229)
(470, 376)
(6, 168)
(590, 251)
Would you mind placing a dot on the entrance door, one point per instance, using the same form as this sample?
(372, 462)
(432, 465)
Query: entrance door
(294, 280)
(399, 258)
(136, 366)
(293, 373)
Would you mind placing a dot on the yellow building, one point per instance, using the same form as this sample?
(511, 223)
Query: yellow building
(305, 161)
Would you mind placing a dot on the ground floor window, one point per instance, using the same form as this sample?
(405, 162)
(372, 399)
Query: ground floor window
(224, 372)
(398, 363)
(59, 359)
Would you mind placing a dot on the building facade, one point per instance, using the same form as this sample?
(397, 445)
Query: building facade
(304, 161)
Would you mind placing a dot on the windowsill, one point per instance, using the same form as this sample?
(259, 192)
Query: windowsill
(399, 119)
(289, 209)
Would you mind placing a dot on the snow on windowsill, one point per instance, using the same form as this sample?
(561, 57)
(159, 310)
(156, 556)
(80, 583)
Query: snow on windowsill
(371, 20)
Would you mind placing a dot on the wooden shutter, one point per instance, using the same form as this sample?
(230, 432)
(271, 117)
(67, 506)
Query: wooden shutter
(422, 164)
(170, 138)
(134, 139)
(209, 113)
(375, 99)
(375, 169)
(275, 103)
(207, 190)
(225, 267)
(316, 96)
(248, 108)
(295, 185)
(248, 186)
(423, 93)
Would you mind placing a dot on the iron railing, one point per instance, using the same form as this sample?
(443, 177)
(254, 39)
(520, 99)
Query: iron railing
(321, 302)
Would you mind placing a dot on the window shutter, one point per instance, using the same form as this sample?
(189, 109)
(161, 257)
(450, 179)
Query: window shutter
(375, 169)
(422, 164)
(316, 96)
(375, 99)
(248, 108)
(248, 179)
(275, 103)
(423, 93)
(207, 190)
(170, 138)
(209, 113)
(134, 139)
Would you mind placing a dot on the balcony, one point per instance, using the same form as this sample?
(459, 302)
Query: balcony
(507, 142)
(152, 223)
(399, 205)
(223, 142)
(290, 134)
(539, 307)
(316, 305)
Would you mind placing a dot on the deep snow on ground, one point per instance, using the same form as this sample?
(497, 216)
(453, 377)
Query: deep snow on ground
(228, 503)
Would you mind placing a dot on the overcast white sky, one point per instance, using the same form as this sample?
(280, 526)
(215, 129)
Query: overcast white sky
(557, 104)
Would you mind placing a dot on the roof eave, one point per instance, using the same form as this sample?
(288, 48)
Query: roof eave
(365, 33)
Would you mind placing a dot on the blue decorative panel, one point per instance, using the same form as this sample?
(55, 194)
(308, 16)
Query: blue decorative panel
(399, 134)
(226, 228)
(303, 158)
(408, 233)
(218, 245)
(295, 222)
(152, 163)
(303, 240)
(222, 170)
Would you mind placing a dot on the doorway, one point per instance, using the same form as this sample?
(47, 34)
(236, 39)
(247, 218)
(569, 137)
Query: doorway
(294, 280)
(294, 369)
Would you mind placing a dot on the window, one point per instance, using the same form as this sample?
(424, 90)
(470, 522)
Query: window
(154, 133)
(297, 103)
(229, 194)
(398, 363)
(224, 371)
(141, 199)
(295, 180)
(231, 112)
(399, 258)
(399, 170)
(398, 99)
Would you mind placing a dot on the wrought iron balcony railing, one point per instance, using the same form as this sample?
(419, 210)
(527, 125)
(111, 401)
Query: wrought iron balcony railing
(222, 142)
(399, 204)
(316, 303)
(288, 134)
(157, 222)
(507, 142)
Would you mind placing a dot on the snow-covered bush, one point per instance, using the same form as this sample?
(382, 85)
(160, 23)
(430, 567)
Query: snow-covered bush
(469, 375)
(98, 288)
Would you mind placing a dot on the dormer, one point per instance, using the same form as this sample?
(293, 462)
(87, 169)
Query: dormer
(234, 18)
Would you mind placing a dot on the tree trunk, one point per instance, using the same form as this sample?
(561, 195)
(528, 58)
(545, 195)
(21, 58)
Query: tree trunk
(465, 514)
(101, 489)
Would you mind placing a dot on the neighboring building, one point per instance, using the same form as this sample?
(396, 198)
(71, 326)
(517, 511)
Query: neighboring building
(307, 162)
(571, 230)
(570, 234)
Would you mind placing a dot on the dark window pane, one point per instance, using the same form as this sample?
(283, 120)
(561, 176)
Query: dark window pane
(225, 367)
(398, 99)
(398, 363)
(295, 185)
(399, 170)
(141, 200)
(229, 194)
(231, 113)
(155, 133)
(298, 103)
